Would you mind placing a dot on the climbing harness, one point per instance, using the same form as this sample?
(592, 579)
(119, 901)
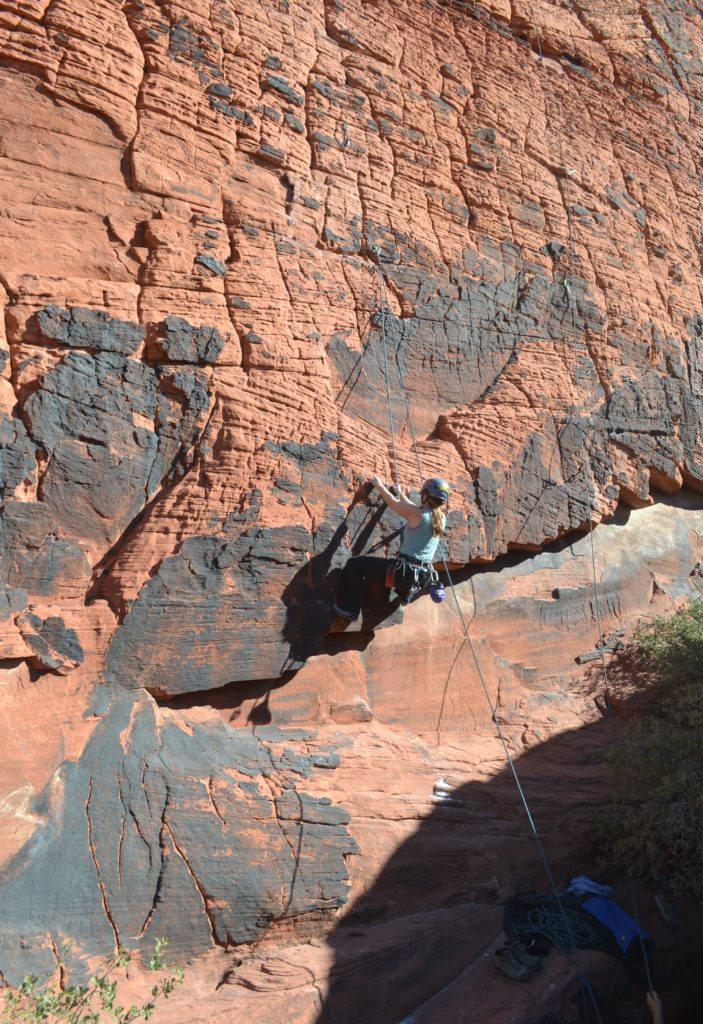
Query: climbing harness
(408, 577)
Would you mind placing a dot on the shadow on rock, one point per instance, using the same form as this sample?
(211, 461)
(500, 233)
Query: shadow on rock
(417, 946)
(231, 697)
(309, 595)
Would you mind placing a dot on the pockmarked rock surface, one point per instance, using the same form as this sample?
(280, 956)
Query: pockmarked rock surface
(234, 237)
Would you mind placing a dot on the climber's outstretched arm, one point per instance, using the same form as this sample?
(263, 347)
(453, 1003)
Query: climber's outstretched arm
(400, 503)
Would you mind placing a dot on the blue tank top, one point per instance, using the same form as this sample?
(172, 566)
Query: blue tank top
(419, 541)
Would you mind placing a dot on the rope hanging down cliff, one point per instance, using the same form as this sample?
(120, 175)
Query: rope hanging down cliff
(385, 314)
(571, 307)
(567, 283)
(382, 314)
(572, 311)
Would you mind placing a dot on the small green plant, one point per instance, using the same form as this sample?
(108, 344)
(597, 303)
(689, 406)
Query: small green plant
(673, 647)
(44, 1002)
(656, 821)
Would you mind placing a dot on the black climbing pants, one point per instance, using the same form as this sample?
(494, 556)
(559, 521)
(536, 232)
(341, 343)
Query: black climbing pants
(356, 574)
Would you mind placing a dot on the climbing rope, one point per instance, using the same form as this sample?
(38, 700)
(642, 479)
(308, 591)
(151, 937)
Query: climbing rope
(570, 943)
(385, 364)
(385, 309)
(385, 315)
(601, 644)
(572, 309)
(564, 927)
(504, 743)
(635, 907)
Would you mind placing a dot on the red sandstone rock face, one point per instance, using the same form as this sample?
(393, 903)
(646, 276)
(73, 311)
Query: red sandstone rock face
(192, 388)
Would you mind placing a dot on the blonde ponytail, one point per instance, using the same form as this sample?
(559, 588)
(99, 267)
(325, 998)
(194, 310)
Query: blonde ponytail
(439, 520)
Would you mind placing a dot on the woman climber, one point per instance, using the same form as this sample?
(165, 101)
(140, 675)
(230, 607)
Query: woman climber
(412, 569)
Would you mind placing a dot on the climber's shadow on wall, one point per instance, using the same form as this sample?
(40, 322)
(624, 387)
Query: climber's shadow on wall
(310, 594)
(435, 907)
(231, 698)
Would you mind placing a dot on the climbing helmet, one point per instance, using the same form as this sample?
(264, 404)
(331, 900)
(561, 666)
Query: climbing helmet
(435, 487)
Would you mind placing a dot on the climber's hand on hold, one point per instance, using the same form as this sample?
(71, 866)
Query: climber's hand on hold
(398, 501)
(362, 492)
(393, 489)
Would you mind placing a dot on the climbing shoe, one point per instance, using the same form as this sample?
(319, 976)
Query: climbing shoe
(505, 963)
(519, 953)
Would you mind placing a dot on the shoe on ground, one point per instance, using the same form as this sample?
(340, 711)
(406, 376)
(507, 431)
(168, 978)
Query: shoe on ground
(519, 953)
(505, 963)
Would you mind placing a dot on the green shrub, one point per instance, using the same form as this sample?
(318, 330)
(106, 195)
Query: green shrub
(38, 1001)
(673, 647)
(656, 821)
